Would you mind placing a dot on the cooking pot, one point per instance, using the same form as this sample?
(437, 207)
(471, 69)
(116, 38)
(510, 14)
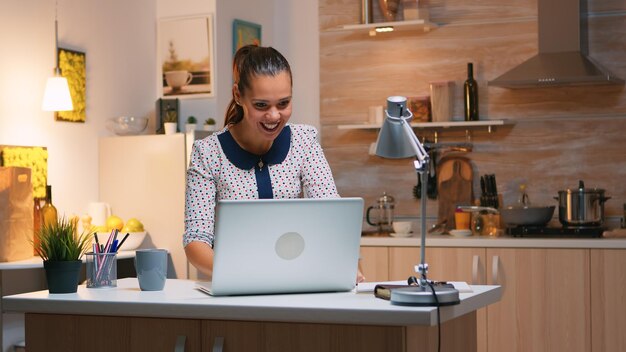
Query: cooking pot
(582, 206)
(527, 215)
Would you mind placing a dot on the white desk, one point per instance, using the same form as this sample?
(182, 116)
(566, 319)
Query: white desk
(180, 300)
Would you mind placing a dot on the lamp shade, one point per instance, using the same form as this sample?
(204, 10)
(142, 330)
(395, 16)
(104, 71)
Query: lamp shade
(57, 95)
(392, 141)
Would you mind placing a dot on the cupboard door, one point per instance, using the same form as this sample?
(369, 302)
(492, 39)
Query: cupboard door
(608, 311)
(68, 333)
(233, 336)
(445, 264)
(160, 334)
(287, 337)
(374, 263)
(545, 300)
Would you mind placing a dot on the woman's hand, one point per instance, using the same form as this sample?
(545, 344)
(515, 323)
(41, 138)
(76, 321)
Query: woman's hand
(359, 276)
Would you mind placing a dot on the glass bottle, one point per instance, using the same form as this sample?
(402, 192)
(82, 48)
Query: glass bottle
(48, 211)
(36, 223)
(470, 95)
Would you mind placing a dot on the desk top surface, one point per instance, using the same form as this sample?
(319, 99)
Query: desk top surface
(180, 299)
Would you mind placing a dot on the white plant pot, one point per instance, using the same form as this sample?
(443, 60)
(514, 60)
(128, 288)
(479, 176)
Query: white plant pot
(190, 127)
(170, 127)
(209, 128)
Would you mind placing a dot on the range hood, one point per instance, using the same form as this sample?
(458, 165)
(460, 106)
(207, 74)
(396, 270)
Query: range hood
(560, 60)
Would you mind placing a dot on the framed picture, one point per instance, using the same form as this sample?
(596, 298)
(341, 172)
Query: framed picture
(73, 68)
(245, 33)
(185, 59)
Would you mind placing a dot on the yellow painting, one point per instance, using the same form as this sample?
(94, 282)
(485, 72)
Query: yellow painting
(73, 67)
(35, 158)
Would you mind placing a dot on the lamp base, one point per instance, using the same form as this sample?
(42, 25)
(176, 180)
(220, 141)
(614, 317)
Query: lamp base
(423, 296)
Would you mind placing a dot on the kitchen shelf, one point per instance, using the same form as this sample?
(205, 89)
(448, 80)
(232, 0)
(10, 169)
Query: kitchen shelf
(410, 25)
(426, 125)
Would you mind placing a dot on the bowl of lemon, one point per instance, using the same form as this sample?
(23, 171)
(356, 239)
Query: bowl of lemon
(133, 227)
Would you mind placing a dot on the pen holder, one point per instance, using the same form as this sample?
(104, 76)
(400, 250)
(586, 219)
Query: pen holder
(101, 270)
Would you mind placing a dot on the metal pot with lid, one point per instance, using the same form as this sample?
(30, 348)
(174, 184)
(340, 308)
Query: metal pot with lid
(384, 207)
(582, 207)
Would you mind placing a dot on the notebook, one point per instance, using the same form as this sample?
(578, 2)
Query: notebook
(271, 246)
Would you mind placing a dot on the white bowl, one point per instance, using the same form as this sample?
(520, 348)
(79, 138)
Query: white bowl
(127, 125)
(133, 241)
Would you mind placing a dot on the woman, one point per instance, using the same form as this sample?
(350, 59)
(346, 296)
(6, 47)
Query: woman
(256, 155)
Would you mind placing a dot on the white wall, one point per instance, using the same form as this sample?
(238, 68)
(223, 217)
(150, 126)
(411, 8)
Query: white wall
(119, 40)
(201, 108)
(296, 36)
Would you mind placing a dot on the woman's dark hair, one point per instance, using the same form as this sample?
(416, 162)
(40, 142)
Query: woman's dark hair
(251, 61)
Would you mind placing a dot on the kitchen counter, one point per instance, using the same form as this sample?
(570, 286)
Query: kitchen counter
(493, 242)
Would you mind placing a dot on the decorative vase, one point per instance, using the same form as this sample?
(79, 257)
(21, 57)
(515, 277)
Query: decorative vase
(62, 276)
(170, 127)
(190, 127)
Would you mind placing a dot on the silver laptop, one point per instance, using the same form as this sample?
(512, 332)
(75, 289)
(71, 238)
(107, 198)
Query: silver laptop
(285, 246)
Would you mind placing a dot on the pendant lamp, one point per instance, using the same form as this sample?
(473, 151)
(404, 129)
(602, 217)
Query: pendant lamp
(57, 94)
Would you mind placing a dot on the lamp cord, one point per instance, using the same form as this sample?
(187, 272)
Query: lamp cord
(438, 316)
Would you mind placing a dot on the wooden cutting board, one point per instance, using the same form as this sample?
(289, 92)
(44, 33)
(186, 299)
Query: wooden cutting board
(454, 181)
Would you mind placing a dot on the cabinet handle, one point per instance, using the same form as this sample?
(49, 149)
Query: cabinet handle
(218, 345)
(494, 269)
(180, 343)
(475, 262)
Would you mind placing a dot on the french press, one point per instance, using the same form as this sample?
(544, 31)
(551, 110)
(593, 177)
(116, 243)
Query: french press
(384, 207)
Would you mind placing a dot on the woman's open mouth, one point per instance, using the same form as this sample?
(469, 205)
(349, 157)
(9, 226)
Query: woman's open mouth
(270, 127)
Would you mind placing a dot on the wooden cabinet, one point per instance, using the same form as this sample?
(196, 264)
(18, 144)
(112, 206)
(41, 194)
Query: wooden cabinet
(68, 333)
(608, 310)
(374, 263)
(545, 301)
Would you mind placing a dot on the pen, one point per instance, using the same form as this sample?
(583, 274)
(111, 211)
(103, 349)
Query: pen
(121, 243)
(95, 235)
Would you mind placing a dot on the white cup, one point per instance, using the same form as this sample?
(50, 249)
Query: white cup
(99, 212)
(402, 226)
(178, 79)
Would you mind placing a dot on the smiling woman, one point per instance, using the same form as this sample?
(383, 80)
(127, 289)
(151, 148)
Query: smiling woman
(265, 156)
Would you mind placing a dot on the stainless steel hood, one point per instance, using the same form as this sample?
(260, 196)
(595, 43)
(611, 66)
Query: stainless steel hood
(560, 60)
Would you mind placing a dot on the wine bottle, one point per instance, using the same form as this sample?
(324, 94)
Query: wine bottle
(470, 90)
(48, 211)
(36, 224)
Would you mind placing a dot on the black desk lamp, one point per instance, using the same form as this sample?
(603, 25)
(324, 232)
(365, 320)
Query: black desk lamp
(396, 140)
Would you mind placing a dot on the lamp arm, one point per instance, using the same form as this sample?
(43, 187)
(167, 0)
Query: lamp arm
(417, 146)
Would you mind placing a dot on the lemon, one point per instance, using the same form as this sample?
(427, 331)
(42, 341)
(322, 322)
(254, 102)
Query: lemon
(133, 225)
(99, 229)
(114, 222)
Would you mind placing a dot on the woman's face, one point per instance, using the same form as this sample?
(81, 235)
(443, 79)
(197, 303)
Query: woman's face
(266, 106)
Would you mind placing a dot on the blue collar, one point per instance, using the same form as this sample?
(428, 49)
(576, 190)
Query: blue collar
(246, 160)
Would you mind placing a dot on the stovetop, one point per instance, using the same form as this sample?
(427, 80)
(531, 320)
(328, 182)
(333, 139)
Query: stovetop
(555, 232)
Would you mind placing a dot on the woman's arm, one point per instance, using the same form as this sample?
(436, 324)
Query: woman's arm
(200, 255)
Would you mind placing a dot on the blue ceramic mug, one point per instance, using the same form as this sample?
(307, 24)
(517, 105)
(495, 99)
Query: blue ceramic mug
(151, 267)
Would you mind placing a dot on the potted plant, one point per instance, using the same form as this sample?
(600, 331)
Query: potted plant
(209, 124)
(61, 250)
(191, 124)
(170, 122)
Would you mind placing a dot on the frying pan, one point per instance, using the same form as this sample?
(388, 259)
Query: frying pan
(527, 215)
